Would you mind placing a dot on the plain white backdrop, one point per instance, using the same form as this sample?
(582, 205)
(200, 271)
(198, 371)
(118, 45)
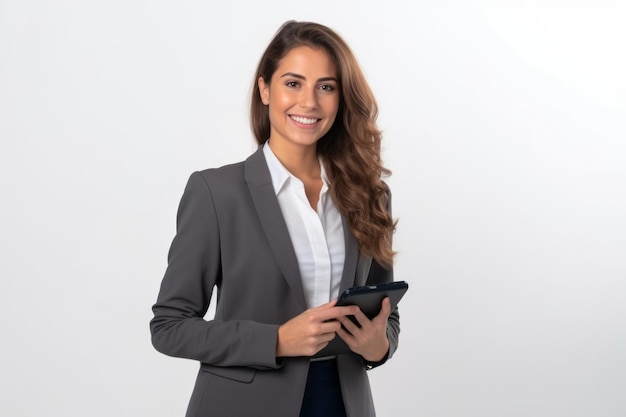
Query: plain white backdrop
(505, 128)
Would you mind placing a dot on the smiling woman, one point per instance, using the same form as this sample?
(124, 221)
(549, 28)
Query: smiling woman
(279, 236)
(303, 99)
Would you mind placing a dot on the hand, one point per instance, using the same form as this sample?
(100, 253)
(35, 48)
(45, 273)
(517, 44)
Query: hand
(370, 339)
(309, 332)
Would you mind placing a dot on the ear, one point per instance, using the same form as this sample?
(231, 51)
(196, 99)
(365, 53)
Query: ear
(264, 91)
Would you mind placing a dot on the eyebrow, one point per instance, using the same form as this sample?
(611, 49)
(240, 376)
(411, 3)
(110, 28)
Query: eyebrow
(302, 77)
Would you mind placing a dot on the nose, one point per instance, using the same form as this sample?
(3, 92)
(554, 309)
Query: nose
(308, 98)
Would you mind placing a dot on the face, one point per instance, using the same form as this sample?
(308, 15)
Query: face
(303, 98)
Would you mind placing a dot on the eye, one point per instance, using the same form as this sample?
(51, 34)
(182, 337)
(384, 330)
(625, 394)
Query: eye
(327, 87)
(292, 84)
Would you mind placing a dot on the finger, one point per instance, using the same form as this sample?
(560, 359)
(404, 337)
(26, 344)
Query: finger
(330, 327)
(347, 310)
(336, 312)
(329, 304)
(345, 336)
(326, 337)
(361, 318)
(348, 325)
(385, 310)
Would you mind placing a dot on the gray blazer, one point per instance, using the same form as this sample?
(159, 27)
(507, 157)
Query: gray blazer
(231, 236)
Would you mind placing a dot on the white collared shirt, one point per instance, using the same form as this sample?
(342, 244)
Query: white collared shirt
(317, 236)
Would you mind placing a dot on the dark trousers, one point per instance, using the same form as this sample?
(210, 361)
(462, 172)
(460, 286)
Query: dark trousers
(322, 397)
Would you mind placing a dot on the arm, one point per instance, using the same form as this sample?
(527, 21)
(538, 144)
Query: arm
(375, 340)
(194, 269)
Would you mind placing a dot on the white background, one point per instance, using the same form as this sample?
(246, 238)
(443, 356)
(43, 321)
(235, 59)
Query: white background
(505, 129)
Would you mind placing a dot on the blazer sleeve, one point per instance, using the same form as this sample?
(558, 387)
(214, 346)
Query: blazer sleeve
(378, 275)
(178, 327)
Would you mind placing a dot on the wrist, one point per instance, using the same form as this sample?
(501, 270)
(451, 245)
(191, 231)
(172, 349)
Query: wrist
(373, 364)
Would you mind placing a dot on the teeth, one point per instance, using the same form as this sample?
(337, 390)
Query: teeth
(304, 120)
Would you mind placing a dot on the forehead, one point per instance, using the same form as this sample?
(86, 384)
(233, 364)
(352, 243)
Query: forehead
(307, 61)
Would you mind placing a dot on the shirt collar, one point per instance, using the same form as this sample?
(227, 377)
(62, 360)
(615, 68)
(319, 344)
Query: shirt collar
(280, 175)
(278, 172)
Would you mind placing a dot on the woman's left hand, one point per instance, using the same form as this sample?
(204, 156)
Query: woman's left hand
(370, 340)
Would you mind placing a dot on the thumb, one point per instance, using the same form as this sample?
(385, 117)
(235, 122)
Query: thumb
(385, 309)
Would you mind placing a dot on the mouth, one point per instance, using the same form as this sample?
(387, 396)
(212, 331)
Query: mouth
(304, 120)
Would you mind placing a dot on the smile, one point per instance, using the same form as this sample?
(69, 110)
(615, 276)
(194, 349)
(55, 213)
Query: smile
(304, 120)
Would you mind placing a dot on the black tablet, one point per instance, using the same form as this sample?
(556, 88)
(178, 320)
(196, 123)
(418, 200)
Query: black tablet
(369, 298)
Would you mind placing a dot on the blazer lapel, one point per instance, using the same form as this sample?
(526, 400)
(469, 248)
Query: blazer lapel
(259, 182)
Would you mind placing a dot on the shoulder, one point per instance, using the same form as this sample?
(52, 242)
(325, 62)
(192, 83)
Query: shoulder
(231, 174)
(215, 183)
(228, 172)
(229, 181)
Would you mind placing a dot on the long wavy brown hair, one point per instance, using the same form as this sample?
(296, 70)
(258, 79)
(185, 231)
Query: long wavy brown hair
(351, 149)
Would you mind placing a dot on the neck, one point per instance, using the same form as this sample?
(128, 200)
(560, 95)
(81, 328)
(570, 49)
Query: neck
(300, 161)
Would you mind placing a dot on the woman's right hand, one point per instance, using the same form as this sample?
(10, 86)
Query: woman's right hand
(310, 331)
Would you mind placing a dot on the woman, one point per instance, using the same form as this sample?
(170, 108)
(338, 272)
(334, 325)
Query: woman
(279, 235)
